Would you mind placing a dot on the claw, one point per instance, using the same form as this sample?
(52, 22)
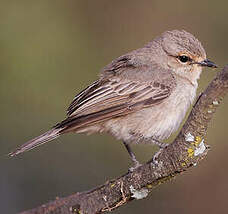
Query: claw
(135, 166)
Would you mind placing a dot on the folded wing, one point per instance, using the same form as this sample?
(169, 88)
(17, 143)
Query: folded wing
(106, 99)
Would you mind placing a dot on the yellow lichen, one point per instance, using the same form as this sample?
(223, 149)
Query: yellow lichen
(198, 140)
(183, 164)
(193, 146)
(190, 152)
(149, 186)
(112, 185)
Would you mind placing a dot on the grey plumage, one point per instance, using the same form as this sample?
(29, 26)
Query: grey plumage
(139, 96)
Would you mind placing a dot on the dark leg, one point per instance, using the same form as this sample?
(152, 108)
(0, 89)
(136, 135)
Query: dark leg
(132, 155)
(160, 144)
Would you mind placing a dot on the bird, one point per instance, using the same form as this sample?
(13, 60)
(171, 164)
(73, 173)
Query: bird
(140, 97)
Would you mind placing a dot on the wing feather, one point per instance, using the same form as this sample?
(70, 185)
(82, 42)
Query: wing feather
(114, 95)
(112, 100)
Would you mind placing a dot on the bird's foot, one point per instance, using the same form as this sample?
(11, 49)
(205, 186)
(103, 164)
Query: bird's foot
(135, 162)
(156, 155)
(160, 144)
(136, 165)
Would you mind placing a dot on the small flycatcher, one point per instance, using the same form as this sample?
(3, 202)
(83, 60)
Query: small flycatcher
(139, 97)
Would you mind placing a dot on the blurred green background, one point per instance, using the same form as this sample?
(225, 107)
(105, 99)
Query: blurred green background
(49, 51)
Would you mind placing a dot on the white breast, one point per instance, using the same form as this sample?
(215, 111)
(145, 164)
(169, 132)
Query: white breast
(171, 113)
(157, 122)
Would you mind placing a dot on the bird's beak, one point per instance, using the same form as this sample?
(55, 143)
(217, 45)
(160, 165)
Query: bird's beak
(207, 63)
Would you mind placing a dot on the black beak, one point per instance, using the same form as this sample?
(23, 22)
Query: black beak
(208, 63)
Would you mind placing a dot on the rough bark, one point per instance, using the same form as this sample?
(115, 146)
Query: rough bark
(187, 150)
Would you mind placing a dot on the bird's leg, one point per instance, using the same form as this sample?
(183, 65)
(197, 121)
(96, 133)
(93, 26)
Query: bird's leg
(161, 146)
(136, 163)
(159, 143)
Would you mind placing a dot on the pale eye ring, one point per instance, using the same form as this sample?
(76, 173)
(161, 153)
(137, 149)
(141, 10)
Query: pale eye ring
(184, 58)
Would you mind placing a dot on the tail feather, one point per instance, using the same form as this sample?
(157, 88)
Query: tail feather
(44, 138)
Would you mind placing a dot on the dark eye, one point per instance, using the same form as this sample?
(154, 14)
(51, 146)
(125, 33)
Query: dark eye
(184, 58)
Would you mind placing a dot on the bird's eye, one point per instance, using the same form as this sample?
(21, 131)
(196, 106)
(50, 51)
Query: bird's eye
(184, 58)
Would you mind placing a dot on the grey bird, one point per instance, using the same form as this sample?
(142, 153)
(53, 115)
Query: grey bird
(140, 97)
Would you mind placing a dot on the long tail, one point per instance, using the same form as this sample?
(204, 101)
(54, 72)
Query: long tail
(44, 138)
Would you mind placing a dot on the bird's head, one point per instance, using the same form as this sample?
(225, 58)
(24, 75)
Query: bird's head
(185, 55)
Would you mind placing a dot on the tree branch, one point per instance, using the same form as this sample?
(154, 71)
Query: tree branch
(187, 150)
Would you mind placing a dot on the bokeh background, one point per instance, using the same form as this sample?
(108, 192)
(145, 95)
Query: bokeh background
(49, 51)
